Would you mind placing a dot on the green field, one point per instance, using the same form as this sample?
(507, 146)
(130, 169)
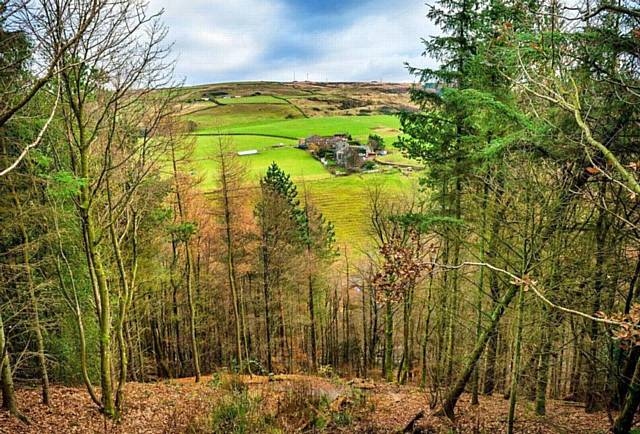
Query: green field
(345, 202)
(257, 99)
(358, 126)
(216, 118)
(299, 164)
(272, 126)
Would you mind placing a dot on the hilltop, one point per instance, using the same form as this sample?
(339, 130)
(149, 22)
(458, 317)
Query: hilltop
(313, 99)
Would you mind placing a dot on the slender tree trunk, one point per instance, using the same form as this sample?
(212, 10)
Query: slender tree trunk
(231, 271)
(37, 327)
(494, 287)
(243, 324)
(454, 295)
(74, 306)
(515, 373)
(624, 422)
(451, 398)
(374, 326)
(347, 315)
(480, 294)
(9, 400)
(550, 320)
(124, 298)
(593, 377)
(192, 314)
(282, 328)
(100, 286)
(388, 343)
(266, 291)
(312, 319)
(364, 334)
(542, 376)
(188, 273)
(403, 369)
(427, 331)
(177, 358)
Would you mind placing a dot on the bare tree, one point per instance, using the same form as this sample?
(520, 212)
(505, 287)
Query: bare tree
(35, 38)
(108, 80)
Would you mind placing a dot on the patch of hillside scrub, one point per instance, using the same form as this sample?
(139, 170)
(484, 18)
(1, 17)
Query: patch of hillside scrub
(299, 406)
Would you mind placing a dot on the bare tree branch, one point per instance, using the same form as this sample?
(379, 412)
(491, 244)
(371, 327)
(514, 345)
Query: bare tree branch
(38, 139)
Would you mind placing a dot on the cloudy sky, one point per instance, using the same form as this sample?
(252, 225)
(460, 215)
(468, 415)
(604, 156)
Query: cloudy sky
(334, 40)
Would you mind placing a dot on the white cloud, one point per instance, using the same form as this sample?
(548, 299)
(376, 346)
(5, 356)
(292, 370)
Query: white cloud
(219, 40)
(373, 47)
(218, 37)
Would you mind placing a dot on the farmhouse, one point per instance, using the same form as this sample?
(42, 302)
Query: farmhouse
(339, 147)
(322, 145)
(353, 156)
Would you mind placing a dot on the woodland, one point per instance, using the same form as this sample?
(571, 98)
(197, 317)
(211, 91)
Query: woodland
(512, 269)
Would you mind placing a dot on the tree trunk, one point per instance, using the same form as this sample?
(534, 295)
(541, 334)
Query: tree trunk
(542, 376)
(494, 287)
(403, 369)
(515, 374)
(364, 334)
(593, 378)
(9, 400)
(266, 291)
(312, 319)
(37, 327)
(229, 241)
(451, 399)
(387, 365)
(624, 422)
(192, 314)
(480, 294)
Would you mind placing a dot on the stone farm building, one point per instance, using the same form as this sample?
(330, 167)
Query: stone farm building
(340, 148)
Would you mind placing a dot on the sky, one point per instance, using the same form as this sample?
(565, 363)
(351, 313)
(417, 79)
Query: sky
(320, 40)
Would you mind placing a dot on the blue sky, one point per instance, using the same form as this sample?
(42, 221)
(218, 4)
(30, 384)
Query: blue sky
(236, 40)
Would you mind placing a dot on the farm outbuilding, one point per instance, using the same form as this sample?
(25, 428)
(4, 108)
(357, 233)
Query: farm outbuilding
(250, 152)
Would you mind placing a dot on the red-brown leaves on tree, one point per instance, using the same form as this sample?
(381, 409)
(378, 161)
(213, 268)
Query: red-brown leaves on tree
(402, 267)
(628, 330)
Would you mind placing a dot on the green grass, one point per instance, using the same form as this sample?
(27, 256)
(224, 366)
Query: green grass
(345, 202)
(218, 118)
(299, 164)
(358, 126)
(258, 99)
(396, 157)
(206, 145)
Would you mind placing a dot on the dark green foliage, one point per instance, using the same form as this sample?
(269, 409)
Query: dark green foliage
(239, 413)
(311, 228)
(277, 181)
(368, 165)
(182, 232)
(376, 142)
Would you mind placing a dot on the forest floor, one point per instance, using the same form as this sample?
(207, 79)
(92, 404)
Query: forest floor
(364, 407)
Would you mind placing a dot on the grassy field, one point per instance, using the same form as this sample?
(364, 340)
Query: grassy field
(358, 126)
(345, 202)
(272, 126)
(299, 164)
(215, 118)
(256, 99)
